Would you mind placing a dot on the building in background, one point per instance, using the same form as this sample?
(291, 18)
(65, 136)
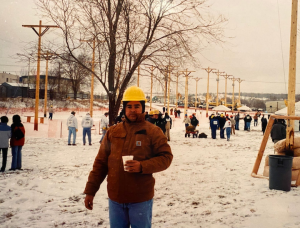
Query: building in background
(8, 77)
(274, 106)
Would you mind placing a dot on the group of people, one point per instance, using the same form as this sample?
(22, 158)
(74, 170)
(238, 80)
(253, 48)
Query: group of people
(87, 123)
(13, 136)
(224, 123)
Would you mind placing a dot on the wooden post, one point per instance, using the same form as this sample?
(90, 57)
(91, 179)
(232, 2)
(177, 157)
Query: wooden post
(152, 69)
(61, 129)
(292, 77)
(262, 147)
(218, 79)
(186, 75)
(239, 81)
(169, 82)
(37, 86)
(208, 70)
(232, 106)
(226, 76)
(196, 79)
(47, 57)
(176, 100)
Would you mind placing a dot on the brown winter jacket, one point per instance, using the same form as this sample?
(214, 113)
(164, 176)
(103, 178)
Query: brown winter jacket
(154, 154)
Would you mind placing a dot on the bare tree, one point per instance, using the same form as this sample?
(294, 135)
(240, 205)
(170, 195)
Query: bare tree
(128, 33)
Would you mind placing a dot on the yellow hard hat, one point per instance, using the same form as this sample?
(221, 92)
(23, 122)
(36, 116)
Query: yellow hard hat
(151, 113)
(155, 112)
(134, 93)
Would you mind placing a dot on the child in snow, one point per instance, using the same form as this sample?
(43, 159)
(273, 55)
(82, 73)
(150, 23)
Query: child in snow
(227, 127)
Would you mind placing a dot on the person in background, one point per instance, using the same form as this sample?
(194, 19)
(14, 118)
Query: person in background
(237, 121)
(194, 120)
(72, 127)
(168, 126)
(186, 121)
(178, 112)
(87, 123)
(161, 123)
(104, 125)
(278, 131)
(222, 121)
(264, 123)
(227, 127)
(5, 134)
(255, 119)
(17, 142)
(130, 184)
(119, 117)
(232, 125)
(51, 111)
(175, 112)
(247, 120)
(146, 115)
(151, 118)
(214, 125)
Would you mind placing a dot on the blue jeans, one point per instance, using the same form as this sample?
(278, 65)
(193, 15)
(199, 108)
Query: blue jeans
(50, 116)
(186, 125)
(237, 125)
(136, 215)
(87, 131)
(248, 125)
(16, 152)
(228, 132)
(103, 134)
(72, 130)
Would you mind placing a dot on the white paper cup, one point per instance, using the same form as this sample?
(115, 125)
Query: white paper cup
(125, 159)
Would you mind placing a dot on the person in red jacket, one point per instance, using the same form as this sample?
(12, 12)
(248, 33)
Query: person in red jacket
(17, 142)
(130, 184)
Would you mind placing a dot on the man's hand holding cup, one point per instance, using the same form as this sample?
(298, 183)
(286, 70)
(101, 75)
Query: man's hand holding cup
(130, 165)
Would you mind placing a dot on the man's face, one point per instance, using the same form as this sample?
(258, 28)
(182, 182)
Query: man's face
(155, 116)
(133, 108)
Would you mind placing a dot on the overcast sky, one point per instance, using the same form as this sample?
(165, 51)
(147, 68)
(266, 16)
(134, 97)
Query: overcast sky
(258, 51)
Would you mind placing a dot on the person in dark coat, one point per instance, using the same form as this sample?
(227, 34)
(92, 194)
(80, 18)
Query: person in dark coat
(264, 123)
(146, 115)
(17, 142)
(222, 121)
(278, 131)
(214, 125)
(194, 121)
(164, 109)
(248, 120)
(178, 112)
(161, 122)
(119, 117)
(237, 121)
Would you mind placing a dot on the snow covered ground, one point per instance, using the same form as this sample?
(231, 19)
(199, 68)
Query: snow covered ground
(207, 185)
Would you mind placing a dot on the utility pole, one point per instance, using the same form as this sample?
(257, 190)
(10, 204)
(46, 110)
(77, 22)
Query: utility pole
(186, 75)
(152, 69)
(176, 100)
(169, 82)
(92, 76)
(226, 76)
(196, 79)
(233, 79)
(208, 70)
(37, 86)
(292, 78)
(239, 81)
(218, 79)
(46, 56)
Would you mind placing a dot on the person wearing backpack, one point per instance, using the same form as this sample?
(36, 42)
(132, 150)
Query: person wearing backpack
(17, 142)
(5, 134)
(194, 121)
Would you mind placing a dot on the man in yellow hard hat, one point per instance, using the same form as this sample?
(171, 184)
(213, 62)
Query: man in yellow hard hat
(130, 183)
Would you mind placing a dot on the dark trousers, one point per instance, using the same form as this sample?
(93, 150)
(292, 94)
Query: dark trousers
(4, 158)
(222, 133)
(213, 133)
(237, 125)
(50, 116)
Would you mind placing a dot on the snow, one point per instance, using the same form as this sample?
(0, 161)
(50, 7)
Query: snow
(207, 185)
